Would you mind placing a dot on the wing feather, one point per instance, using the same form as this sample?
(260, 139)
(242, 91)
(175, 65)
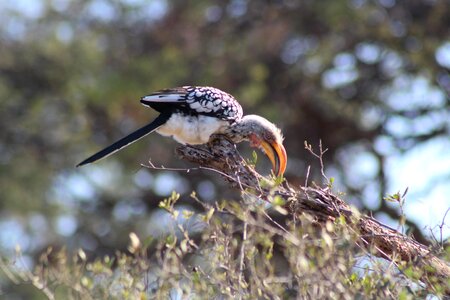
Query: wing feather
(194, 100)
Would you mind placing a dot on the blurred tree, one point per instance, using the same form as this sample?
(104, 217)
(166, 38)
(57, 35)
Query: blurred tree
(368, 78)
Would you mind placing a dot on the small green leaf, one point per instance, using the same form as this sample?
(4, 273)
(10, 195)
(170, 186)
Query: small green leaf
(278, 201)
(254, 157)
(187, 214)
(331, 182)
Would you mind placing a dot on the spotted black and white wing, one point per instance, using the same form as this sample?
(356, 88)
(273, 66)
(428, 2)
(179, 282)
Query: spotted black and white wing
(195, 100)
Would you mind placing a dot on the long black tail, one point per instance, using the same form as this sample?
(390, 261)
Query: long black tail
(131, 138)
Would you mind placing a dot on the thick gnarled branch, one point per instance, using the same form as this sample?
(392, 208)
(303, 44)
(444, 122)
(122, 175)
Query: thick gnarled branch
(222, 156)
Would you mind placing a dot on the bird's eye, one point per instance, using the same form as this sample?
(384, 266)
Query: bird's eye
(268, 137)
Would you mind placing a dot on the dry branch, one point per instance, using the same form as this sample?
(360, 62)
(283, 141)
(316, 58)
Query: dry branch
(221, 156)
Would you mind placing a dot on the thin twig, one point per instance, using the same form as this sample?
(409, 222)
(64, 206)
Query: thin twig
(319, 156)
(152, 166)
(241, 262)
(442, 226)
(307, 175)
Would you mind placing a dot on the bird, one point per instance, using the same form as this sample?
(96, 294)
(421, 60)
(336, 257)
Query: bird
(192, 114)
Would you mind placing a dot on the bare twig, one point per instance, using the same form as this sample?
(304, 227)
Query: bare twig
(153, 167)
(441, 226)
(308, 170)
(319, 156)
(241, 262)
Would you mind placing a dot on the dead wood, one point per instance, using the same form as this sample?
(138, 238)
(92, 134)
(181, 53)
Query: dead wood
(382, 241)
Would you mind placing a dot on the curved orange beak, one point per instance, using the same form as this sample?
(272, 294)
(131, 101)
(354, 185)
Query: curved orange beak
(277, 155)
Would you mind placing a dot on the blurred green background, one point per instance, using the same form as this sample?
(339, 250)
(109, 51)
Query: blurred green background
(368, 78)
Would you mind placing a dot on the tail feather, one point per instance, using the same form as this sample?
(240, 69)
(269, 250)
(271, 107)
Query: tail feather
(129, 139)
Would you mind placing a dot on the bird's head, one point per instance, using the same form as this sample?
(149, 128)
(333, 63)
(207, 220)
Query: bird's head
(262, 134)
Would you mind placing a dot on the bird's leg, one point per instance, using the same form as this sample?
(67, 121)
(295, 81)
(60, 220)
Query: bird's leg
(219, 136)
(220, 154)
(209, 148)
(204, 148)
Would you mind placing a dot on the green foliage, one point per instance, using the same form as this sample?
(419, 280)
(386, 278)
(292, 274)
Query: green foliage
(235, 258)
(168, 203)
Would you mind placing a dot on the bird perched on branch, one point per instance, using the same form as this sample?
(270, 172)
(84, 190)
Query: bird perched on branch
(191, 114)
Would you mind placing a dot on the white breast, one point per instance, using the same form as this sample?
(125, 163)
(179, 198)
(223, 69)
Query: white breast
(192, 129)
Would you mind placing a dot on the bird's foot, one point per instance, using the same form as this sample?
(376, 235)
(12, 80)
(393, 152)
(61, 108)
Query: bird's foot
(219, 136)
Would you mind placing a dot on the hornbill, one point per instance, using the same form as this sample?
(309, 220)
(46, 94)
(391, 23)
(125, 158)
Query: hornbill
(191, 114)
